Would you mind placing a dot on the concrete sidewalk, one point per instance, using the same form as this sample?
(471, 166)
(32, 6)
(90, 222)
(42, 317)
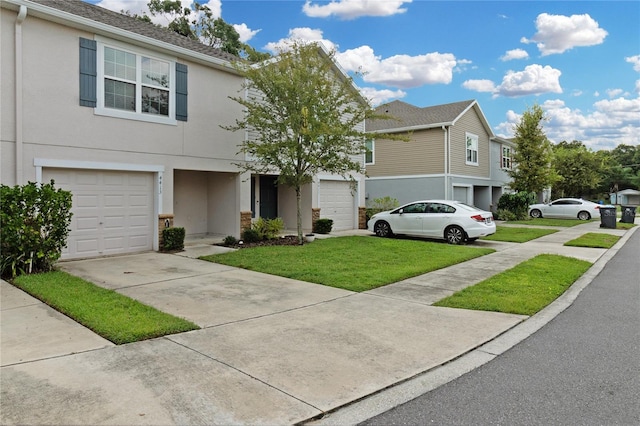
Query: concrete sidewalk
(271, 350)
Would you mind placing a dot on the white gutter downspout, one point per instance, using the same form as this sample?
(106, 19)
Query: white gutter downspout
(22, 14)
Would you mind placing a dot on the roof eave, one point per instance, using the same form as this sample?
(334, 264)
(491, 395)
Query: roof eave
(68, 19)
(412, 128)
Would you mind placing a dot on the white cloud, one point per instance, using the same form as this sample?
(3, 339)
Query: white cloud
(534, 80)
(635, 60)
(480, 85)
(304, 34)
(352, 9)
(638, 86)
(514, 54)
(402, 71)
(612, 122)
(612, 93)
(245, 32)
(558, 33)
(377, 97)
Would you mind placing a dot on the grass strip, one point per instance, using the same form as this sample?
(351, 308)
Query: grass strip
(517, 234)
(524, 289)
(356, 263)
(113, 316)
(567, 223)
(594, 240)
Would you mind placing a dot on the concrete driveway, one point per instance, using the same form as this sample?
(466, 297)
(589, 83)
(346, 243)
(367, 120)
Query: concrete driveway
(271, 350)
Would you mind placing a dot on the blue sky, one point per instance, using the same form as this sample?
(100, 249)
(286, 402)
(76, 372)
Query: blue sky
(579, 60)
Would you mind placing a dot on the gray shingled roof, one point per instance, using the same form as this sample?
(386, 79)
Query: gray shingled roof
(127, 23)
(407, 115)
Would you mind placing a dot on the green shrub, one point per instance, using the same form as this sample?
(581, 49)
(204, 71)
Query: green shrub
(229, 240)
(323, 226)
(380, 205)
(250, 236)
(34, 223)
(268, 229)
(173, 239)
(503, 214)
(517, 204)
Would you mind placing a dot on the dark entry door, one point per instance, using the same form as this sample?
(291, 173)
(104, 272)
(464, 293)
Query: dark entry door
(268, 197)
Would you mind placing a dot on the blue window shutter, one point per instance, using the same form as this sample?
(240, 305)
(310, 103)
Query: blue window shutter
(88, 72)
(181, 92)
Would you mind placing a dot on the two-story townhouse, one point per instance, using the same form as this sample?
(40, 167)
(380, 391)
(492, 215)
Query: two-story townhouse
(127, 116)
(452, 154)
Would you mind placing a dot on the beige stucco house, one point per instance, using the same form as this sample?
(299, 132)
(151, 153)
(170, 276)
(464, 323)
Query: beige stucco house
(127, 116)
(452, 154)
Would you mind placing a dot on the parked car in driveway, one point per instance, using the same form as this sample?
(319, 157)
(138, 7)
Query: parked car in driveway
(566, 208)
(452, 221)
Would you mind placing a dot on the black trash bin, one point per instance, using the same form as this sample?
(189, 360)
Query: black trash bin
(608, 217)
(628, 214)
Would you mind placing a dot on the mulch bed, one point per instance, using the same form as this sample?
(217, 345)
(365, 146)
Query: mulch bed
(287, 240)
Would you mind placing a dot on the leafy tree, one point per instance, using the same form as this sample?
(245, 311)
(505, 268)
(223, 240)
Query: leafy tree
(578, 168)
(212, 32)
(306, 116)
(533, 154)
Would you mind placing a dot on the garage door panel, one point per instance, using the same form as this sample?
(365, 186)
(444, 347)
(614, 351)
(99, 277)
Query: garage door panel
(337, 203)
(112, 211)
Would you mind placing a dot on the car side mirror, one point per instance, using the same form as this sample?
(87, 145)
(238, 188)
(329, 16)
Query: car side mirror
(401, 211)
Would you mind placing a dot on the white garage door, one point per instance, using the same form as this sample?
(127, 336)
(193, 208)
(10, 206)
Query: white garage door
(460, 194)
(112, 211)
(337, 203)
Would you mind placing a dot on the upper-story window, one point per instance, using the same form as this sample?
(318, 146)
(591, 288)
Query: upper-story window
(123, 81)
(507, 162)
(369, 156)
(472, 149)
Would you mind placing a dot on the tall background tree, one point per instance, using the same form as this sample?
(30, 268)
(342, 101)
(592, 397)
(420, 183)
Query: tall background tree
(306, 116)
(533, 154)
(578, 170)
(197, 23)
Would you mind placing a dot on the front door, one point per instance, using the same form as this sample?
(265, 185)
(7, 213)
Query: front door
(268, 197)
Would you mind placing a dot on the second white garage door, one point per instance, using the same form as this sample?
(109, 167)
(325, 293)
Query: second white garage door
(113, 211)
(337, 203)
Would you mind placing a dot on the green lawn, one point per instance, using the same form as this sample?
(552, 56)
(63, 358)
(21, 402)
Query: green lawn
(524, 289)
(113, 316)
(356, 263)
(549, 222)
(518, 234)
(594, 240)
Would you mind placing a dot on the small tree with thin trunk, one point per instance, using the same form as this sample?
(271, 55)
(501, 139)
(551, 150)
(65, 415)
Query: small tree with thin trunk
(306, 117)
(533, 171)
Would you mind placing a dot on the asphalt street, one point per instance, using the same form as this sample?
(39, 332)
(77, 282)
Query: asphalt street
(583, 368)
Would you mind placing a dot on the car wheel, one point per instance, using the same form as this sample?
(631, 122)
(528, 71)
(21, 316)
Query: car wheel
(584, 215)
(535, 213)
(454, 235)
(382, 229)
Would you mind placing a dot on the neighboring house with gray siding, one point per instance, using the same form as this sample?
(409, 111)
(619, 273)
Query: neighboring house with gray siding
(452, 154)
(127, 116)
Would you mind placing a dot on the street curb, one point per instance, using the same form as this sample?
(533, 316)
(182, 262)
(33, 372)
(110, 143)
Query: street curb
(405, 391)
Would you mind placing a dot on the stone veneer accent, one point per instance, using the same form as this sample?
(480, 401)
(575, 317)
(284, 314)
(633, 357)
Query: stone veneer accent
(362, 218)
(315, 215)
(164, 220)
(245, 221)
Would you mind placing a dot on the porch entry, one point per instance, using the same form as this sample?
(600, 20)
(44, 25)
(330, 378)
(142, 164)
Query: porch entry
(268, 196)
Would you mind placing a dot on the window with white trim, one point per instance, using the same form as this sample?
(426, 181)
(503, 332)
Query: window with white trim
(135, 85)
(506, 157)
(369, 156)
(472, 149)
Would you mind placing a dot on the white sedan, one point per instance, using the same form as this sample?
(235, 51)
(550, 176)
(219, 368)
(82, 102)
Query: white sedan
(566, 208)
(452, 221)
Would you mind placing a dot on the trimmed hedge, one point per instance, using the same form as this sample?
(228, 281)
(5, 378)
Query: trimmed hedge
(34, 223)
(173, 239)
